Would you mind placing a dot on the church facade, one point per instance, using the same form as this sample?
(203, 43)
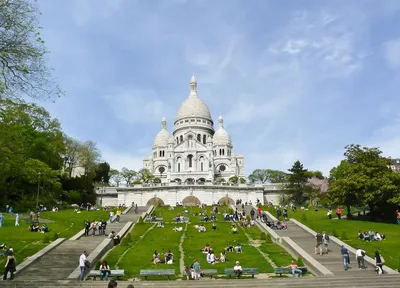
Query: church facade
(194, 152)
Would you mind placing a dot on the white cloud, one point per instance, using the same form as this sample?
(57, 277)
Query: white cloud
(392, 53)
(137, 106)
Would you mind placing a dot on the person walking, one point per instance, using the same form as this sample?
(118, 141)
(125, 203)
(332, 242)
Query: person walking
(345, 257)
(330, 213)
(10, 266)
(1, 220)
(360, 258)
(398, 216)
(325, 240)
(196, 270)
(82, 265)
(318, 246)
(379, 261)
(17, 219)
(338, 213)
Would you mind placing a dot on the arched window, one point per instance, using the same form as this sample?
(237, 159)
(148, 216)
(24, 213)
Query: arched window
(190, 158)
(220, 151)
(204, 139)
(201, 166)
(179, 167)
(177, 140)
(199, 137)
(223, 151)
(181, 139)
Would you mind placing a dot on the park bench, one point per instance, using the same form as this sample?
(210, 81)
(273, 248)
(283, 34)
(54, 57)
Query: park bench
(245, 271)
(114, 273)
(285, 270)
(185, 219)
(207, 272)
(149, 219)
(157, 272)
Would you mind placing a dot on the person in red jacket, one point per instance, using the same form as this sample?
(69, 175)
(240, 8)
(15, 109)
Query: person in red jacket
(338, 213)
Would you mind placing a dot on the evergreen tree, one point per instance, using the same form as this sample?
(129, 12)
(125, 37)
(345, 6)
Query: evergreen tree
(297, 183)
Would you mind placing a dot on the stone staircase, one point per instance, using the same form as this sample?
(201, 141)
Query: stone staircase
(368, 280)
(61, 261)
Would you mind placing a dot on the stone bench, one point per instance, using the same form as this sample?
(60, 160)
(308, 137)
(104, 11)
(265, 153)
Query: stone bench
(285, 270)
(157, 272)
(114, 273)
(245, 271)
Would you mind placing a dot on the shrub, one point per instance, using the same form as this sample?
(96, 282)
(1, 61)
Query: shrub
(55, 237)
(344, 235)
(125, 242)
(263, 236)
(268, 239)
(230, 211)
(128, 237)
(140, 220)
(334, 233)
(303, 217)
(46, 239)
(300, 262)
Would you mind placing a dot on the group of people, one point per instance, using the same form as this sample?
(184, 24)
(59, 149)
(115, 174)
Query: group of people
(37, 228)
(95, 226)
(322, 246)
(212, 259)
(371, 236)
(167, 259)
(194, 271)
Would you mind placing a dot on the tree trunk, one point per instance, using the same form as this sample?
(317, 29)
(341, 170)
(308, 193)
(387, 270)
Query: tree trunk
(349, 216)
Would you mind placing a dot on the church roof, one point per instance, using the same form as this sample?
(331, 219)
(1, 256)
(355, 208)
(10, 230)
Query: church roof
(221, 136)
(193, 106)
(162, 136)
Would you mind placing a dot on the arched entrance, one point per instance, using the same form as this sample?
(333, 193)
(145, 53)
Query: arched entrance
(226, 201)
(189, 180)
(191, 201)
(155, 201)
(178, 180)
(201, 180)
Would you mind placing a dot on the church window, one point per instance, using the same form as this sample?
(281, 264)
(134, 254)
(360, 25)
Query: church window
(201, 166)
(199, 137)
(204, 139)
(190, 158)
(179, 167)
(181, 139)
(220, 151)
(177, 140)
(161, 170)
(181, 122)
(186, 121)
(204, 121)
(223, 151)
(198, 120)
(192, 120)
(208, 122)
(222, 168)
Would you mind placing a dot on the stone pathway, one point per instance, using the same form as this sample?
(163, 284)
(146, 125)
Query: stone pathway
(64, 259)
(182, 258)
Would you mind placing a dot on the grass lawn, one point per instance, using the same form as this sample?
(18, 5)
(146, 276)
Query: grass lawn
(25, 243)
(347, 231)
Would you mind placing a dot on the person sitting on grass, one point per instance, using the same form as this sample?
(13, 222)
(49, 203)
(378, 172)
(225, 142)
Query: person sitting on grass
(34, 228)
(206, 249)
(234, 230)
(222, 257)
(45, 229)
(211, 258)
(177, 229)
(379, 237)
(214, 226)
(169, 257)
(104, 271)
(295, 269)
(360, 235)
(237, 270)
(156, 257)
(202, 228)
(238, 248)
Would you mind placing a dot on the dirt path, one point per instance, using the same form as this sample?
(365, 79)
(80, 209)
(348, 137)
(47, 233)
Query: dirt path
(127, 250)
(256, 244)
(182, 258)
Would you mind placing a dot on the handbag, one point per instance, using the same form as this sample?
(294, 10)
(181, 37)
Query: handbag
(87, 264)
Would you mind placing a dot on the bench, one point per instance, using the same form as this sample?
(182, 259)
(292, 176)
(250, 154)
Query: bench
(179, 221)
(285, 270)
(245, 271)
(154, 220)
(207, 272)
(157, 272)
(114, 273)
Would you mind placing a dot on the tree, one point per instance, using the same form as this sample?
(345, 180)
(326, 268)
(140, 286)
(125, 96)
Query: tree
(102, 173)
(23, 70)
(89, 158)
(116, 176)
(144, 175)
(267, 175)
(72, 155)
(233, 180)
(317, 174)
(128, 175)
(364, 178)
(297, 184)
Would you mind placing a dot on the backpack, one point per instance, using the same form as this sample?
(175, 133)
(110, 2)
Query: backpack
(326, 237)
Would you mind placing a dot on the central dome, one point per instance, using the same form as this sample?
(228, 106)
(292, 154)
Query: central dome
(193, 106)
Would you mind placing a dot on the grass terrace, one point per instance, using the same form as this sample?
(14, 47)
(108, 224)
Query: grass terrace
(136, 253)
(64, 223)
(347, 231)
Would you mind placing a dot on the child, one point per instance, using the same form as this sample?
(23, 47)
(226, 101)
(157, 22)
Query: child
(187, 272)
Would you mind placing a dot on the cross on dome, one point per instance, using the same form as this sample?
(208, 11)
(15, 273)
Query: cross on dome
(221, 121)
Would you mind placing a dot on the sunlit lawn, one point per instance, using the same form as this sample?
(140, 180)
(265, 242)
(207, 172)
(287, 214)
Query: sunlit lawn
(347, 231)
(26, 243)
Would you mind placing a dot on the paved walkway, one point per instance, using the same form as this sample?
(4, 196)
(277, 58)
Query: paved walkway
(332, 261)
(63, 260)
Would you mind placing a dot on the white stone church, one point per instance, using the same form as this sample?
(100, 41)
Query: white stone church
(191, 164)
(194, 151)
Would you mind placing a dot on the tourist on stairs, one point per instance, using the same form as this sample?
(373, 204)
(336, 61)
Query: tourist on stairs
(346, 258)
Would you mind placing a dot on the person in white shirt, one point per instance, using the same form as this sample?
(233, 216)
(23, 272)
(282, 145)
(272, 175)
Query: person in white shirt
(237, 269)
(360, 258)
(82, 260)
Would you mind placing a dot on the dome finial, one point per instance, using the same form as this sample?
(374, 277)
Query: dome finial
(163, 123)
(193, 86)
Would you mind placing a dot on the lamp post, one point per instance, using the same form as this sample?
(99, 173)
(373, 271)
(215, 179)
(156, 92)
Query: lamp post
(38, 191)
(102, 191)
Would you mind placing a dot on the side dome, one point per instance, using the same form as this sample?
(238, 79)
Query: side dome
(162, 136)
(193, 105)
(221, 136)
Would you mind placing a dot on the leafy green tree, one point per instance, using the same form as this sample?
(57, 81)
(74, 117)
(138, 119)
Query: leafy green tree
(102, 173)
(145, 176)
(23, 70)
(267, 176)
(128, 175)
(317, 174)
(364, 178)
(233, 180)
(297, 183)
(73, 150)
(115, 176)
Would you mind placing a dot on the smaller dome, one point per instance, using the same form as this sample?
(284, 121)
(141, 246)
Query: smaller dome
(221, 136)
(163, 136)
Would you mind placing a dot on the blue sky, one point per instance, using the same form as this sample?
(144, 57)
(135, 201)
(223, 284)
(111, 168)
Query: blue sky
(292, 79)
